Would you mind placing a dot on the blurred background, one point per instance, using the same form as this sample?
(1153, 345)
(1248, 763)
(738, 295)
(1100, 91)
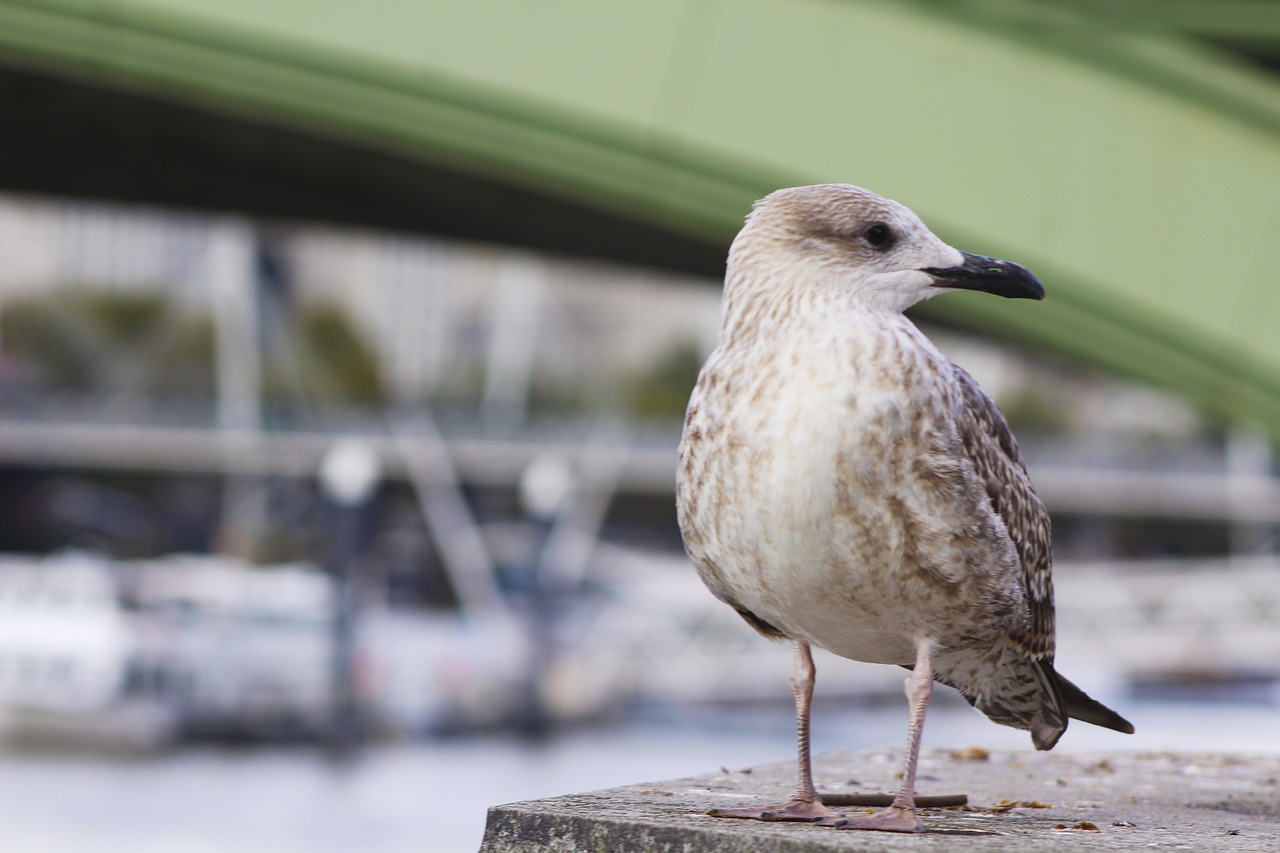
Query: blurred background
(344, 348)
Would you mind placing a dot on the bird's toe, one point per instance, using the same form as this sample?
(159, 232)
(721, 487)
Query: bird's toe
(892, 819)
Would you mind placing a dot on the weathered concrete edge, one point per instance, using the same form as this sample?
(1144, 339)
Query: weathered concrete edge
(511, 829)
(1133, 800)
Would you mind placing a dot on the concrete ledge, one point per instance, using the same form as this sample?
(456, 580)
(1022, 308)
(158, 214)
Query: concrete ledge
(1018, 801)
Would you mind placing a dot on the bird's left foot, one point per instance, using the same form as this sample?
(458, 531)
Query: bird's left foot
(892, 819)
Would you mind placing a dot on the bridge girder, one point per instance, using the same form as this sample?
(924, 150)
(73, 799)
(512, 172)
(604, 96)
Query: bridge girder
(1134, 167)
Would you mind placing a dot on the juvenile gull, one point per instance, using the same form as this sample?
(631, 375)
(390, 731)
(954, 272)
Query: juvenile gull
(843, 484)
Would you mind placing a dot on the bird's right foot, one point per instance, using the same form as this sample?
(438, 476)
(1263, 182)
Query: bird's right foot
(797, 810)
(892, 819)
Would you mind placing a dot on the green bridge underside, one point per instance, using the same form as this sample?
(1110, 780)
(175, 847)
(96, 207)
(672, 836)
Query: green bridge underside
(1127, 151)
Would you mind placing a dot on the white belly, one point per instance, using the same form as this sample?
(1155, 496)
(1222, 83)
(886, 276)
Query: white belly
(811, 512)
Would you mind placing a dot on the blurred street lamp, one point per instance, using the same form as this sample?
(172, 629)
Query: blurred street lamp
(350, 472)
(349, 476)
(545, 487)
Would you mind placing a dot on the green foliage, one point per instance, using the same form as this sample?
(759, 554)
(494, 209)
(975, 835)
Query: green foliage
(88, 342)
(185, 359)
(45, 335)
(662, 391)
(1032, 409)
(126, 319)
(109, 342)
(337, 363)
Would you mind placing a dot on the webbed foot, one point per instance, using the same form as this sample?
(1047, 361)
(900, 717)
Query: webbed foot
(892, 819)
(795, 810)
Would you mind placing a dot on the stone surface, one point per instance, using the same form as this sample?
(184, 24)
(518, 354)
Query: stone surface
(1018, 801)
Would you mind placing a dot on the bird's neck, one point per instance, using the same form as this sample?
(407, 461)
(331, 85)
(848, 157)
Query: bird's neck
(781, 314)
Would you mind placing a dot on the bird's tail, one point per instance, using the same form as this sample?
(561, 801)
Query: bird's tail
(1028, 694)
(1072, 704)
(1081, 706)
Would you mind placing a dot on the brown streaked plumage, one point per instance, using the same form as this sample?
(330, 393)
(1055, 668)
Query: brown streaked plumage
(843, 484)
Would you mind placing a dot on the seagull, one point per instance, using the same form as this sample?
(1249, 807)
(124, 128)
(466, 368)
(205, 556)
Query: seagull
(843, 484)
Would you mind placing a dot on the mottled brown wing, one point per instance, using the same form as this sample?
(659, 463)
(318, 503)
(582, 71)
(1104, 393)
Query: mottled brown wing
(991, 446)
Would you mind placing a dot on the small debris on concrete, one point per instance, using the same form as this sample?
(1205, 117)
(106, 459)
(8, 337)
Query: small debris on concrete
(971, 753)
(1006, 806)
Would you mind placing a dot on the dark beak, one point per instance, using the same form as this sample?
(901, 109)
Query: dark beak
(990, 275)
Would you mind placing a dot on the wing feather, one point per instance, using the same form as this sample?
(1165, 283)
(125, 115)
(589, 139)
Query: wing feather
(990, 445)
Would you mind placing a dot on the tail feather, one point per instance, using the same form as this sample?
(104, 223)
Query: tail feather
(1080, 706)
(1024, 693)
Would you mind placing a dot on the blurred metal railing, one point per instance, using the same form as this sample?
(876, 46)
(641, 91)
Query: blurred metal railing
(1227, 494)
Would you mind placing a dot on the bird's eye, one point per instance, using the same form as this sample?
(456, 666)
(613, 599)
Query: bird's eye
(878, 236)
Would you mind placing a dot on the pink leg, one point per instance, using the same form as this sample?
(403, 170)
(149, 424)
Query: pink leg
(900, 816)
(806, 805)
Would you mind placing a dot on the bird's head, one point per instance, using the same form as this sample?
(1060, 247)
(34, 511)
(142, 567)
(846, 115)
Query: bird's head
(849, 243)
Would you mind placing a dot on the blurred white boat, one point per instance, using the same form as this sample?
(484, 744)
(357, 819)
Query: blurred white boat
(141, 652)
